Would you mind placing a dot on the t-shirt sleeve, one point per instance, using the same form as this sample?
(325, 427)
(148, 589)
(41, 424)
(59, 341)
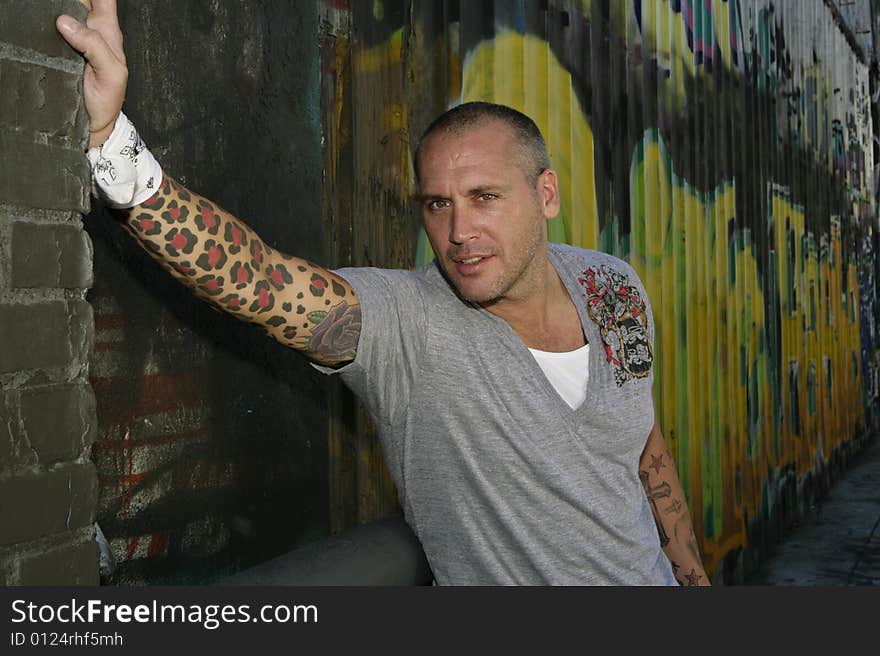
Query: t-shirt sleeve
(394, 325)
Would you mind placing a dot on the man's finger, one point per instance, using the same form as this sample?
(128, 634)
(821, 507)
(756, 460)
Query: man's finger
(103, 18)
(104, 7)
(89, 42)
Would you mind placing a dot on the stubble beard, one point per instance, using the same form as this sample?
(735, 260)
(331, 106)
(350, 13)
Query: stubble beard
(502, 286)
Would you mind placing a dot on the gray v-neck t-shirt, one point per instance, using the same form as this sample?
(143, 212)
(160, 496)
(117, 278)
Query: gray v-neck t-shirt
(500, 479)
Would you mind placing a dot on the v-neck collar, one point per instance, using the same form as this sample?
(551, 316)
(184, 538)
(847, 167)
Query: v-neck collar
(557, 404)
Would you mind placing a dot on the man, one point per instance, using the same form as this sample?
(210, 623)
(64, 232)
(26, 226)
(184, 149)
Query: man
(510, 380)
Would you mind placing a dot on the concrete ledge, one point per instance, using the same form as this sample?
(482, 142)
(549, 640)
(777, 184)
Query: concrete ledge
(383, 553)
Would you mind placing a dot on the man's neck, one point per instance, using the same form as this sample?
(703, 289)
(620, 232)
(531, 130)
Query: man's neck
(545, 317)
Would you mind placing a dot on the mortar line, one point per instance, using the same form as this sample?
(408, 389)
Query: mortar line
(27, 56)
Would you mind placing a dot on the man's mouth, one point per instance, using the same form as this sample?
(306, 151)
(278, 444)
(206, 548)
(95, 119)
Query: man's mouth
(470, 264)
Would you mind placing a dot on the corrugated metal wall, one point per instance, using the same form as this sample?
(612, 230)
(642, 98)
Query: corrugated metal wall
(724, 147)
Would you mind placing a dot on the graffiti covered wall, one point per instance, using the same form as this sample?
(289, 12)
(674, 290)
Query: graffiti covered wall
(723, 147)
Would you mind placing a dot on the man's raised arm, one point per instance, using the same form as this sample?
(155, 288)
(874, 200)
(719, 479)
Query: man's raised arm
(218, 256)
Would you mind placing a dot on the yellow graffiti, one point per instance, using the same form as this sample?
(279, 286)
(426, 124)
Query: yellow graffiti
(663, 35)
(821, 380)
(726, 422)
(709, 317)
(728, 37)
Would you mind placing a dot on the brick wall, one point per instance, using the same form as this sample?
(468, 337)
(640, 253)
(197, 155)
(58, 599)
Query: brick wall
(48, 486)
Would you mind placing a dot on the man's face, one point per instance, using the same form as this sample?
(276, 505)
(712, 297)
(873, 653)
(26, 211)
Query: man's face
(486, 222)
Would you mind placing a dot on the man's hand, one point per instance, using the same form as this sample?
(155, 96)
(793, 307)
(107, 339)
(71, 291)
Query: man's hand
(105, 75)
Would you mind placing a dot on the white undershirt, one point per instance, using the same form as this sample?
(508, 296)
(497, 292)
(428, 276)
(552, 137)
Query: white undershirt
(567, 372)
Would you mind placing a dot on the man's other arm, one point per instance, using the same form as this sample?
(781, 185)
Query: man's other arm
(659, 477)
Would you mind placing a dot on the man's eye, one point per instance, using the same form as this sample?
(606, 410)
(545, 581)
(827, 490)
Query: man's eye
(488, 196)
(435, 205)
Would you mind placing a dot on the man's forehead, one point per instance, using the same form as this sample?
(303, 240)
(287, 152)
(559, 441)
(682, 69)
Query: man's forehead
(476, 155)
(469, 171)
(489, 128)
(462, 149)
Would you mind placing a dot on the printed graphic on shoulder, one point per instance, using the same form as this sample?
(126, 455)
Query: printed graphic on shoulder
(617, 307)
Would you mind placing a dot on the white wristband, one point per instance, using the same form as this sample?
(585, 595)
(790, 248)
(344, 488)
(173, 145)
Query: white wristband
(124, 172)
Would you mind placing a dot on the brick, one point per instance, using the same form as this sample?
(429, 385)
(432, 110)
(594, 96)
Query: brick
(70, 564)
(32, 25)
(40, 99)
(59, 420)
(43, 503)
(44, 335)
(43, 176)
(50, 256)
(76, 259)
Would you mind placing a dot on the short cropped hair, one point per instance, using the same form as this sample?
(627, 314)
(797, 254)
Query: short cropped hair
(533, 157)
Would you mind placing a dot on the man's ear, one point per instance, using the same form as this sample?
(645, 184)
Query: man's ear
(548, 193)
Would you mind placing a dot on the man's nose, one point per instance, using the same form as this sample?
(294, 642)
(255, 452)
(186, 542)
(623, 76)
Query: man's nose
(464, 225)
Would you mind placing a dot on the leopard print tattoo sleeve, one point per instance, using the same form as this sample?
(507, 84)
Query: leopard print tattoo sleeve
(224, 261)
